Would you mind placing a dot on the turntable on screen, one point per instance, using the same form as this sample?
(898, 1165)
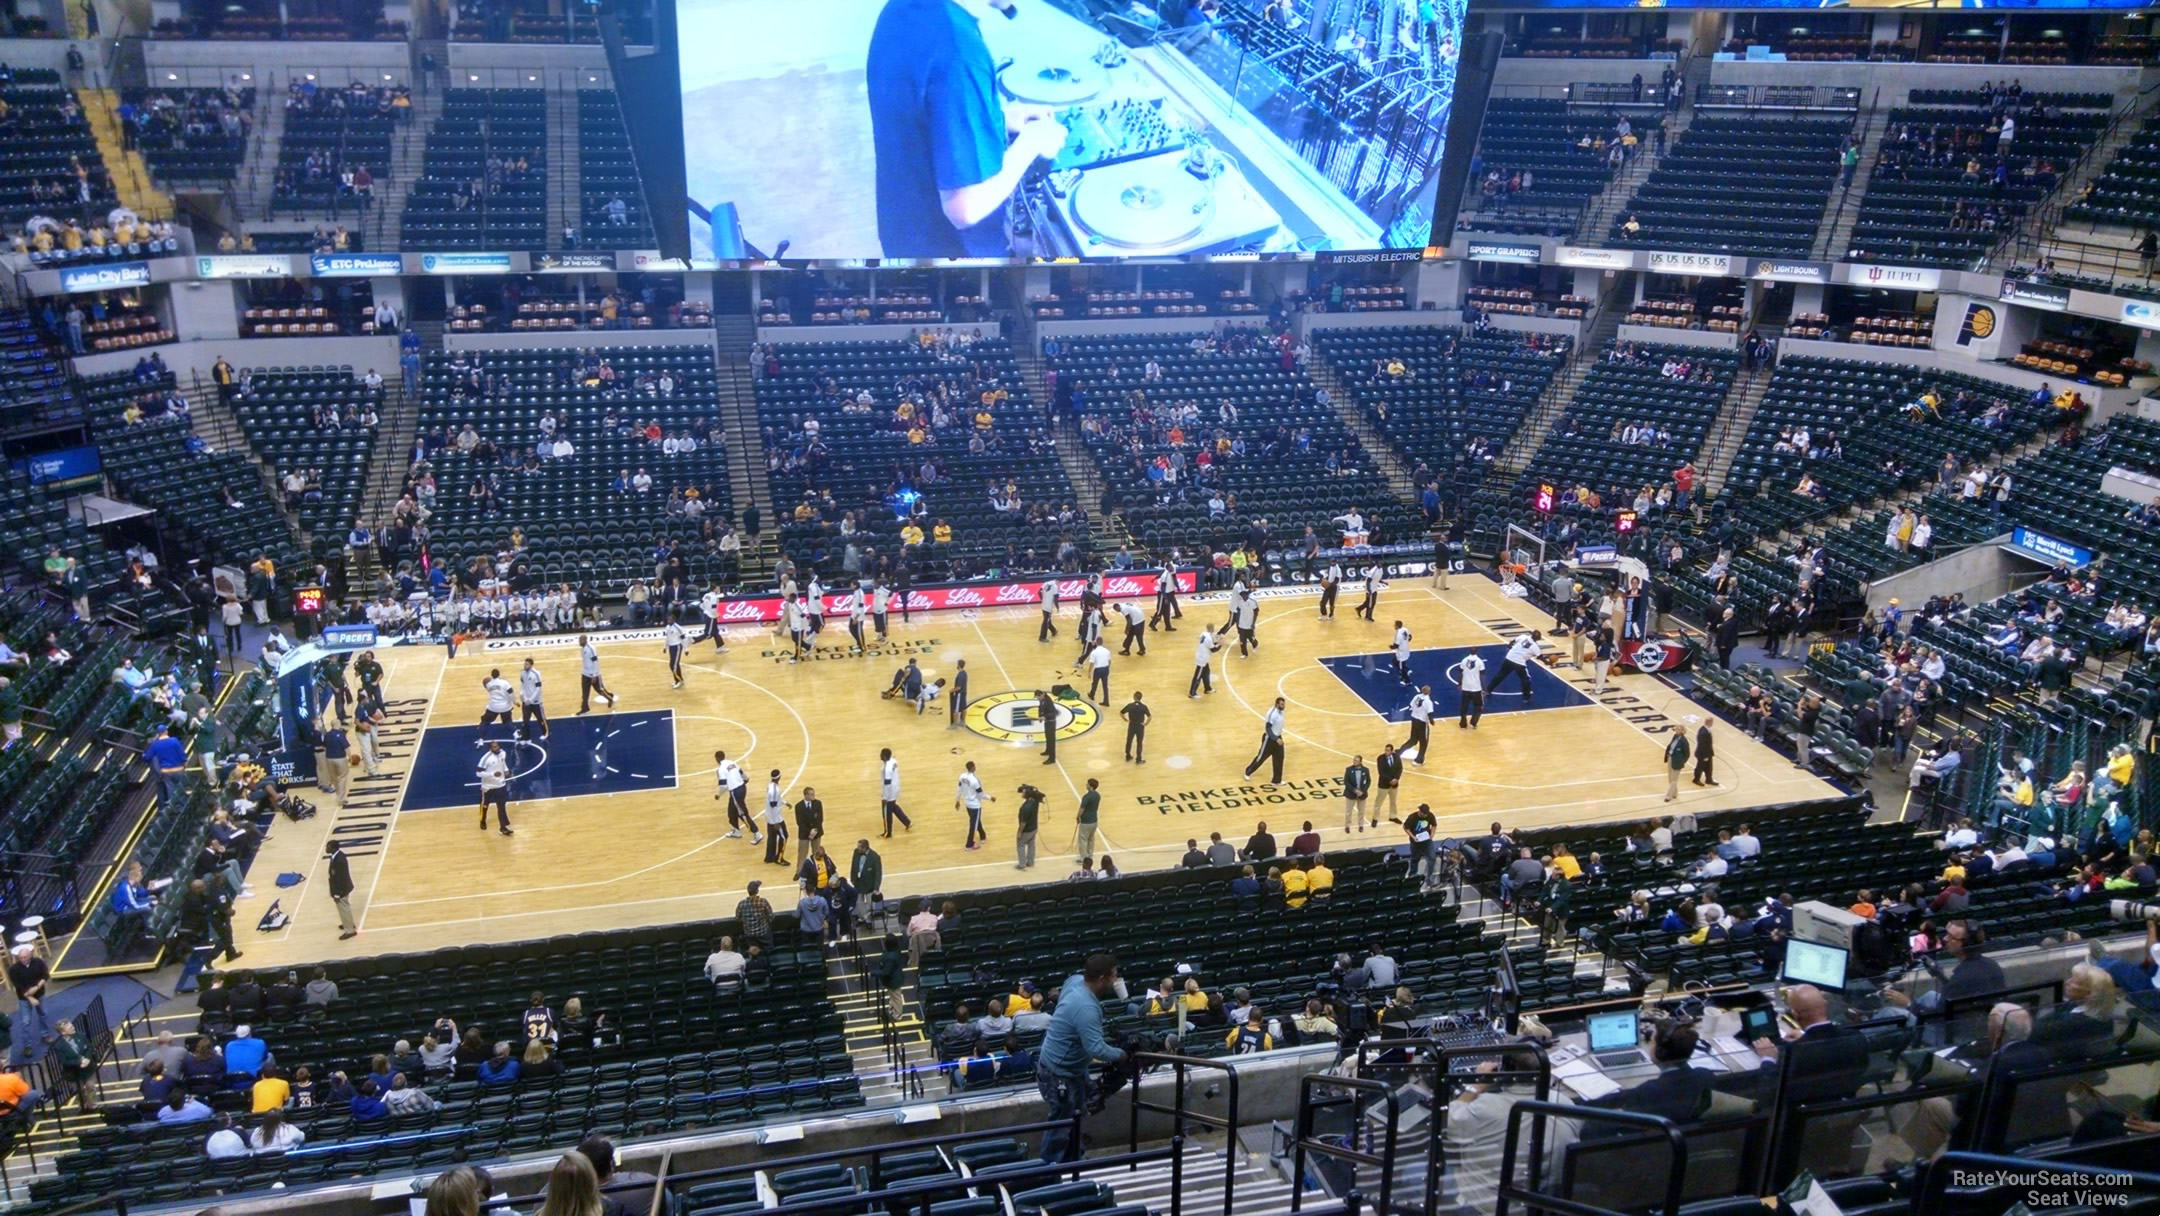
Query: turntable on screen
(1187, 201)
(1052, 81)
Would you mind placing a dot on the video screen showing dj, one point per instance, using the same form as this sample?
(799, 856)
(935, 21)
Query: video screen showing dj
(950, 150)
(931, 129)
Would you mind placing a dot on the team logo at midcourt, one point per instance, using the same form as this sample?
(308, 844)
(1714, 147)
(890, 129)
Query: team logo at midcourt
(1015, 717)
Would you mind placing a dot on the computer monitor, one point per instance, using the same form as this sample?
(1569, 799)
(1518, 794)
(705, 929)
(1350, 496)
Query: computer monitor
(1613, 1031)
(1813, 963)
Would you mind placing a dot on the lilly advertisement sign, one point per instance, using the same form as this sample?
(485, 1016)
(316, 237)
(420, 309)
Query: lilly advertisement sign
(1122, 584)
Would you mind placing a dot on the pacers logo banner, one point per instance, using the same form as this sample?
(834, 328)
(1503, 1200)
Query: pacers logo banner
(1016, 717)
(1979, 324)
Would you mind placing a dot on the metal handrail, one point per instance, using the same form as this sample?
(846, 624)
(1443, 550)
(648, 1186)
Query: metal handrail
(1783, 1161)
(914, 1188)
(1442, 1067)
(1305, 1143)
(1226, 1122)
(1534, 1200)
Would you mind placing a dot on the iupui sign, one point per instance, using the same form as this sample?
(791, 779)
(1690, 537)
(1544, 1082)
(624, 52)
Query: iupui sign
(1656, 655)
(1121, 585)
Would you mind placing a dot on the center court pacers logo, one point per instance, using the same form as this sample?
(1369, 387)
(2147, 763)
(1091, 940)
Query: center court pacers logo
(1014, 717)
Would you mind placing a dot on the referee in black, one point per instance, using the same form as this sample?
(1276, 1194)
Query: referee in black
(1136, 719)
(1046, 709)
(956, 696)
(1271, 746)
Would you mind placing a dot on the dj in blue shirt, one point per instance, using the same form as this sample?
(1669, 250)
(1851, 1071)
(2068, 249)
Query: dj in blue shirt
(944, 169)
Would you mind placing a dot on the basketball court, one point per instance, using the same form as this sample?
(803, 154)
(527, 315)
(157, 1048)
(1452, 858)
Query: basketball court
(617, 822)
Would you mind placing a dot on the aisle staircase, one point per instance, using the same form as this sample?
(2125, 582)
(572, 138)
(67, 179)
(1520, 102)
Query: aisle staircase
(130, 175)
(1835, 236)
(1722, 445)
(1599, 214)
(256, 183)
(565, 170)
(745, 440)
(1261, 1189)
(892, 1061)
(2036, 237)
(1386, 460)
(1553, 402)
(56, 1131)
(408, 154)
(1106, 530)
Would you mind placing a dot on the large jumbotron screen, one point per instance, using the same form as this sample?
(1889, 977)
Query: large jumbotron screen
(842, 131)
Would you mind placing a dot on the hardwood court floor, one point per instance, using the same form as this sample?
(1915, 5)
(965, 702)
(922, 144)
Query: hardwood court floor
(428, 878)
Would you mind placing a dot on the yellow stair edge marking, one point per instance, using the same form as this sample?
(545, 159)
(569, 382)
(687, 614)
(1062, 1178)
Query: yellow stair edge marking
(130, 174)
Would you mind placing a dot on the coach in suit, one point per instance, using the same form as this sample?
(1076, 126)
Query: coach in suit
(341, 889)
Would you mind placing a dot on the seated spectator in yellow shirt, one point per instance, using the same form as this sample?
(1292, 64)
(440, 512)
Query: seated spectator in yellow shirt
(910, 534)
(1297, 886)
(1318, 878)
(1566, 862)
(942, 534)
(1164, 1001)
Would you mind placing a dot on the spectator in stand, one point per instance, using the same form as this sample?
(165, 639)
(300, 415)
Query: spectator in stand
(1219, 851)
(245, 1055)
(368, 1103)
(573, 1187)
(178, 1108)
(632, 1190)
(155, 1085)
(204, 1068)
(270, 1092)
(537, 1064)
(755, 913)
(1307, 841)
(225, 1143)
(501, 1068)
(274, 1135)
(724, 966)
(168, 1054)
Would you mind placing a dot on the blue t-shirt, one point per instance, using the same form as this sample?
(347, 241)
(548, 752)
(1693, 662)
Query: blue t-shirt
(166, 752)
(935, 124)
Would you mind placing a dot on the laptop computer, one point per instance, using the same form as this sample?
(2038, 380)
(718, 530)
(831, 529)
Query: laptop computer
(1613, 1037)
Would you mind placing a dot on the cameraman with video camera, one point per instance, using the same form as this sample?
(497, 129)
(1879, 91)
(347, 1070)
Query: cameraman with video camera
(1073, 1041)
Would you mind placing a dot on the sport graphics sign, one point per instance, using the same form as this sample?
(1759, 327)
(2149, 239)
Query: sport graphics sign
(1520, 252)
